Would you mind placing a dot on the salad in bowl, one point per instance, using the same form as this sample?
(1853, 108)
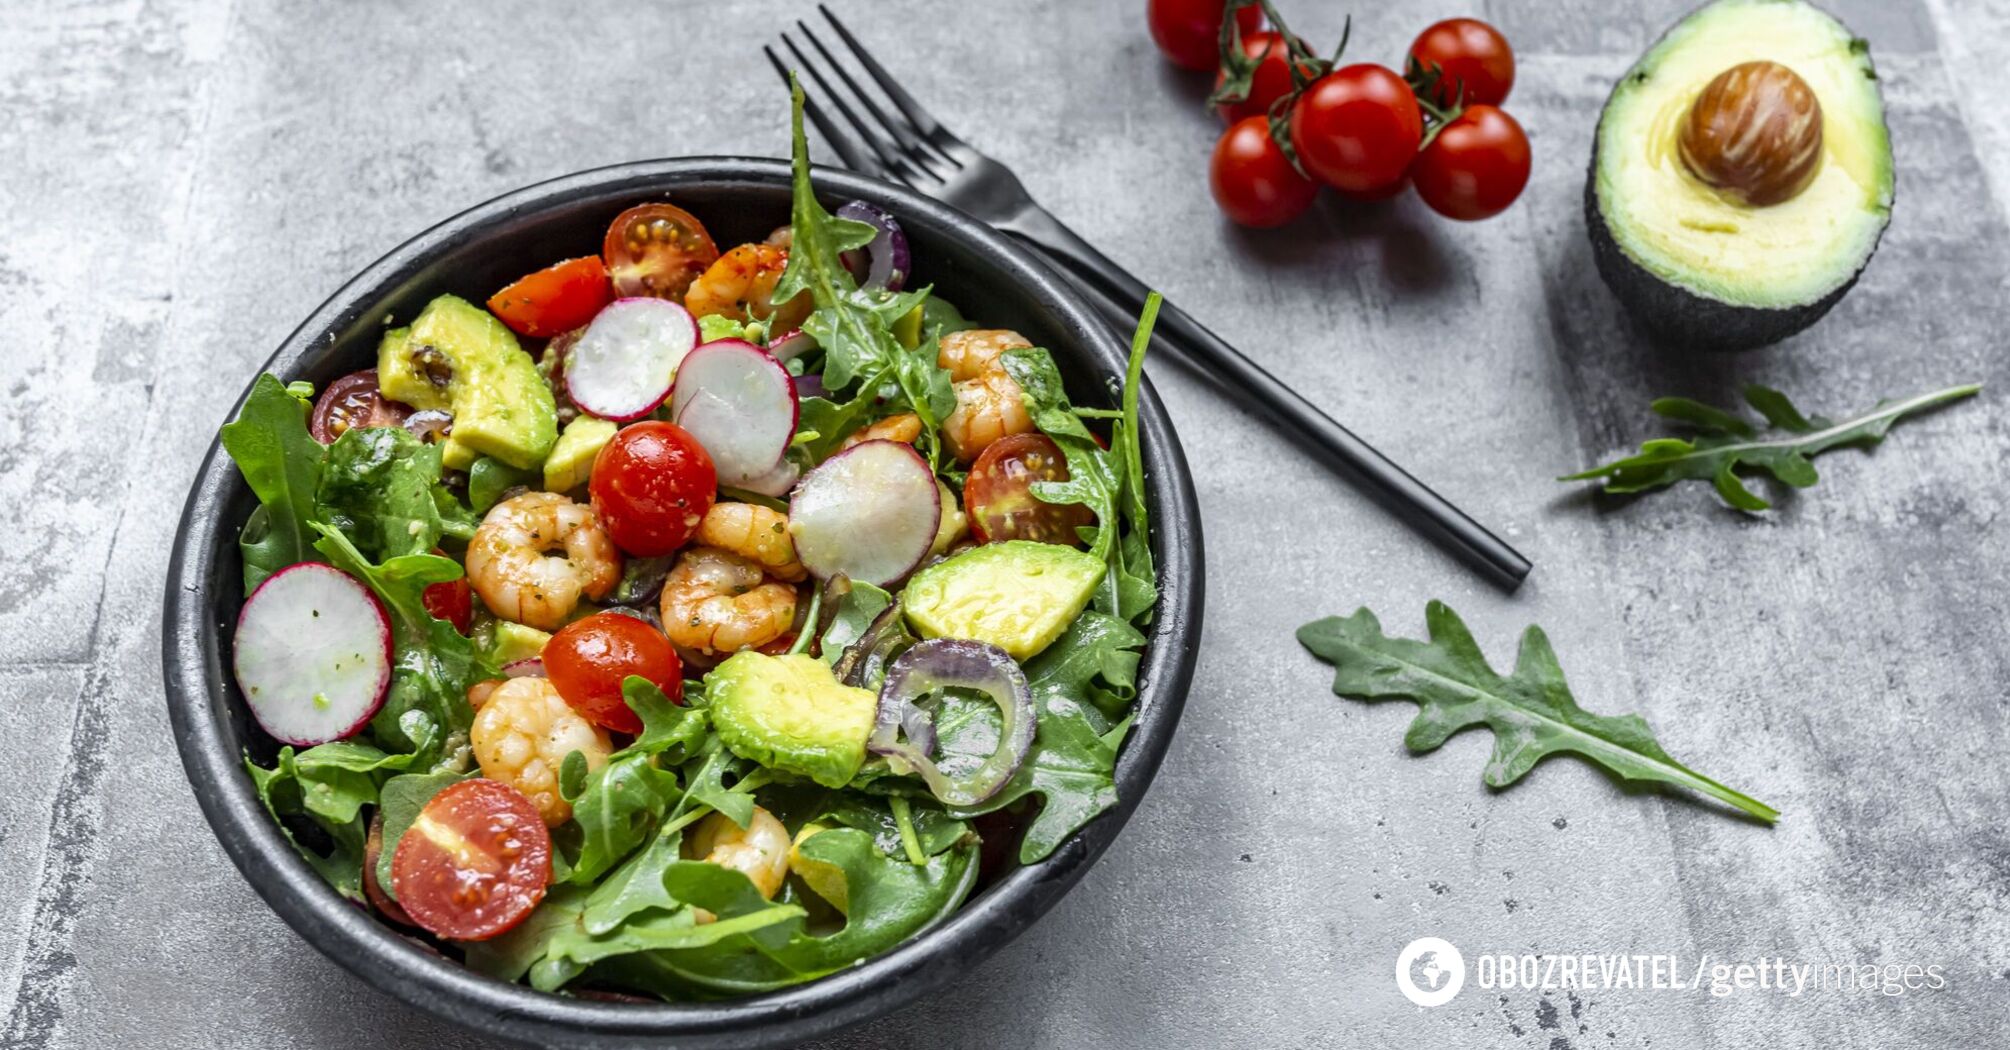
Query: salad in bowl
(690, 621)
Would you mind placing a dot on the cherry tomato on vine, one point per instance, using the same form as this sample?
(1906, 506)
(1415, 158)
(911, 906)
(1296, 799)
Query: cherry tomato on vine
(1357, 128)
(651, 484)
(656, 250)
(474, 863)
(353, 401)
(1471, 53)
(556, 299)
(1270, 82)
(1189, 31)
(999, 497)
(1476, 166)
(1253, 182)
(589, 658)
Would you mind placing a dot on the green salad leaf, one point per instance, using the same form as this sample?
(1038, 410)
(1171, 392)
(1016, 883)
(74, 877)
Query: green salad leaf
(853, 326)
(1726, 443)
(282, 463)
(381, 486)
(1531, 712)
(328, 785)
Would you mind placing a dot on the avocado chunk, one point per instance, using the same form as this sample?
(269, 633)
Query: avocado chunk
(571, 462)
(457, 357)
(513, 642)
(1018, 595)
(790, 713)
(1702, 263)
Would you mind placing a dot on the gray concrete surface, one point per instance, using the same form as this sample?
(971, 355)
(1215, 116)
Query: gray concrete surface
(180, 182)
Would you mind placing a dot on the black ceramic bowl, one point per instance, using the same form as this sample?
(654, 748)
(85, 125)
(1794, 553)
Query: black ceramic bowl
(472, 254)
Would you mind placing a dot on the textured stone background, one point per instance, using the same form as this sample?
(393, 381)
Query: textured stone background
(184, 181)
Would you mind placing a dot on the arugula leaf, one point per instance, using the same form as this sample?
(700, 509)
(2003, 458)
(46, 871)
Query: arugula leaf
(328, 784)
(855, 613)
(381, 485)
(433, 665)
(623, 801)
(282, 463)
(854, 326)
(665, 726)
(1531, 712)
(1726, 442)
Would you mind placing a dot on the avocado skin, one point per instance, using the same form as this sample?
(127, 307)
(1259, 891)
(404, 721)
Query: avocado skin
(1678, 319)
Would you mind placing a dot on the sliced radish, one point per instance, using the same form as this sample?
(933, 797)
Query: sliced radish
(623, 364)
(740, 403)
(869, 512)
(313, 654)
(792, 344)
(775, 483)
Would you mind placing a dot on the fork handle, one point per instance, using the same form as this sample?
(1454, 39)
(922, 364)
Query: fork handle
(1123, 296)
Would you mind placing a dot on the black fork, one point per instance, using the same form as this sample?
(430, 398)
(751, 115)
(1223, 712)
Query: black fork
(908, 145)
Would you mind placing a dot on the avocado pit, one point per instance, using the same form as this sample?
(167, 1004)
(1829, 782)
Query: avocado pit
(1754, 134)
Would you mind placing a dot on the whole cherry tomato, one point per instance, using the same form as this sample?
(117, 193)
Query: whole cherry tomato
(1253, 182)
(1270, 82)
(1476, 166)
(1473, 55)
(475, 862)
(1189, 31)
(657, 250)
(1357, 128)
(589, 658)
(651, 484)
(556, 299)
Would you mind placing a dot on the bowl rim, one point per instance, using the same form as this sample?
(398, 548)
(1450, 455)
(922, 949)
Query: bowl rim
(194, 656)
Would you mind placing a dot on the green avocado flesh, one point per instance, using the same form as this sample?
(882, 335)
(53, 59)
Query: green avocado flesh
(1701, 266)
(456, 357)
(789, 713)
(1017, 595)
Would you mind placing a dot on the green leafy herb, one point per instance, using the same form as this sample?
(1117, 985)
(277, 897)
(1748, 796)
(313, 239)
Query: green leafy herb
(1532, 713)
(1726, 442)
(381, 485)
(328, 785)
(282, 463)
(854, 326)
(855, 613)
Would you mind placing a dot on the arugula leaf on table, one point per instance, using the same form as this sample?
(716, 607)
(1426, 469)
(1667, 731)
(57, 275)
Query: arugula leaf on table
(433, 664)
(1532, 713)
(381, 485)
(282, 463)
(853, 326)
(1726, 442)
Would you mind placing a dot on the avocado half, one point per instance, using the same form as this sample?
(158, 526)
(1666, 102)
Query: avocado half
(1697, 269)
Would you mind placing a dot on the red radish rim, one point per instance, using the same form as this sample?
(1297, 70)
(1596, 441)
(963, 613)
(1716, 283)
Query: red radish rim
(934, 501)
(788, 382)
(383, 630)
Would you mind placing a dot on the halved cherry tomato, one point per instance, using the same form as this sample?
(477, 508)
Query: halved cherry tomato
(1189, 31)
(354, 401)
(1357, 128)
(998, 495)
(474, 863)
(589, 658)
(1476, 166)
(1473, 56)
(651, 485)
(1270, 82)
(657, 250)
(451, 601)
(1253, 181)
(556, 299)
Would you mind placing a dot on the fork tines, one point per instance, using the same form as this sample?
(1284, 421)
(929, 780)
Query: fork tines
(908, 145)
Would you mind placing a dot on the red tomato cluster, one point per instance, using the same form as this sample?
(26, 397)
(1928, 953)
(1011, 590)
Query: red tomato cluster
(1297, 121)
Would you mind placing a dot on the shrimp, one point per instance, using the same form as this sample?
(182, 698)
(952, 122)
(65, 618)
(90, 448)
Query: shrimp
(508, 565)
(755, 532)
(904, 428)
(741, 286)
(717, 601)
(760, 851)
(988, 407)
(970, 354)
(522, 735)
